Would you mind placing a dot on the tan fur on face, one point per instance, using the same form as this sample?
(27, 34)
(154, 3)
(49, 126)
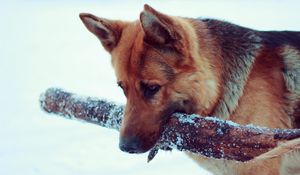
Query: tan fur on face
(121, 55)
(190, 84)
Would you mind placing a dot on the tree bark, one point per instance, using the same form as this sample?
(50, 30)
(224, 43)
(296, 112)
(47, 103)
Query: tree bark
(207, 136)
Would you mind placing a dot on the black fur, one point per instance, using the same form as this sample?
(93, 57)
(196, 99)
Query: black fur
(276, 39)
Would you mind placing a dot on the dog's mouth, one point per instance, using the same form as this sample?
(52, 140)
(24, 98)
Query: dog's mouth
(157, 146)
(179, 107)
(143, 143)
(166, 119)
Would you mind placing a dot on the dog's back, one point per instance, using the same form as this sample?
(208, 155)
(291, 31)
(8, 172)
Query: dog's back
(275, 39)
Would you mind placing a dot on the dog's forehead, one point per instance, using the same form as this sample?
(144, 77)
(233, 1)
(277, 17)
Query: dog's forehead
(154, 65)
(133, 59)
(126, 54)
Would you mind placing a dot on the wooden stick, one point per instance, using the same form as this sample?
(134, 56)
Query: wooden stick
(207, 136)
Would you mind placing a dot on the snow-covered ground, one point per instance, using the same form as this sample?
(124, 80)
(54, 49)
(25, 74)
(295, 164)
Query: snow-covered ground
(43, 44)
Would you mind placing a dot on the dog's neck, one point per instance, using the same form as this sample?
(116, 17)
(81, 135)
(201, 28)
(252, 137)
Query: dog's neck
(231, 55)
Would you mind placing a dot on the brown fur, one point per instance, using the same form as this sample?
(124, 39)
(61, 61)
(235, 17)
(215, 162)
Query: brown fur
(168, 64)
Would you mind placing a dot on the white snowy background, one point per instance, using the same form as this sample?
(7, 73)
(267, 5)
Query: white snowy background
(44, 44)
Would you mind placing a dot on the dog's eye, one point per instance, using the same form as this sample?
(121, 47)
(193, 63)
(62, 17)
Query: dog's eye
(150, 90)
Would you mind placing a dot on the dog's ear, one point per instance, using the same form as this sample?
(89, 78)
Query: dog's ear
(159, 28)
(107, 31)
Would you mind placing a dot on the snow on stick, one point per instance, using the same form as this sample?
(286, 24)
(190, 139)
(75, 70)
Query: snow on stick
(208, 136)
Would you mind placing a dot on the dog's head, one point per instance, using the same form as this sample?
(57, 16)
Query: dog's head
(160, 69)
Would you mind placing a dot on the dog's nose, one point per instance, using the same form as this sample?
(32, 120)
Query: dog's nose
(130, 144)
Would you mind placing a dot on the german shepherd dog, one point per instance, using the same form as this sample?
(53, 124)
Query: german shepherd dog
(167, 64)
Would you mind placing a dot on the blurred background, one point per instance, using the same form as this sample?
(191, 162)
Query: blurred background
(44, 44)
